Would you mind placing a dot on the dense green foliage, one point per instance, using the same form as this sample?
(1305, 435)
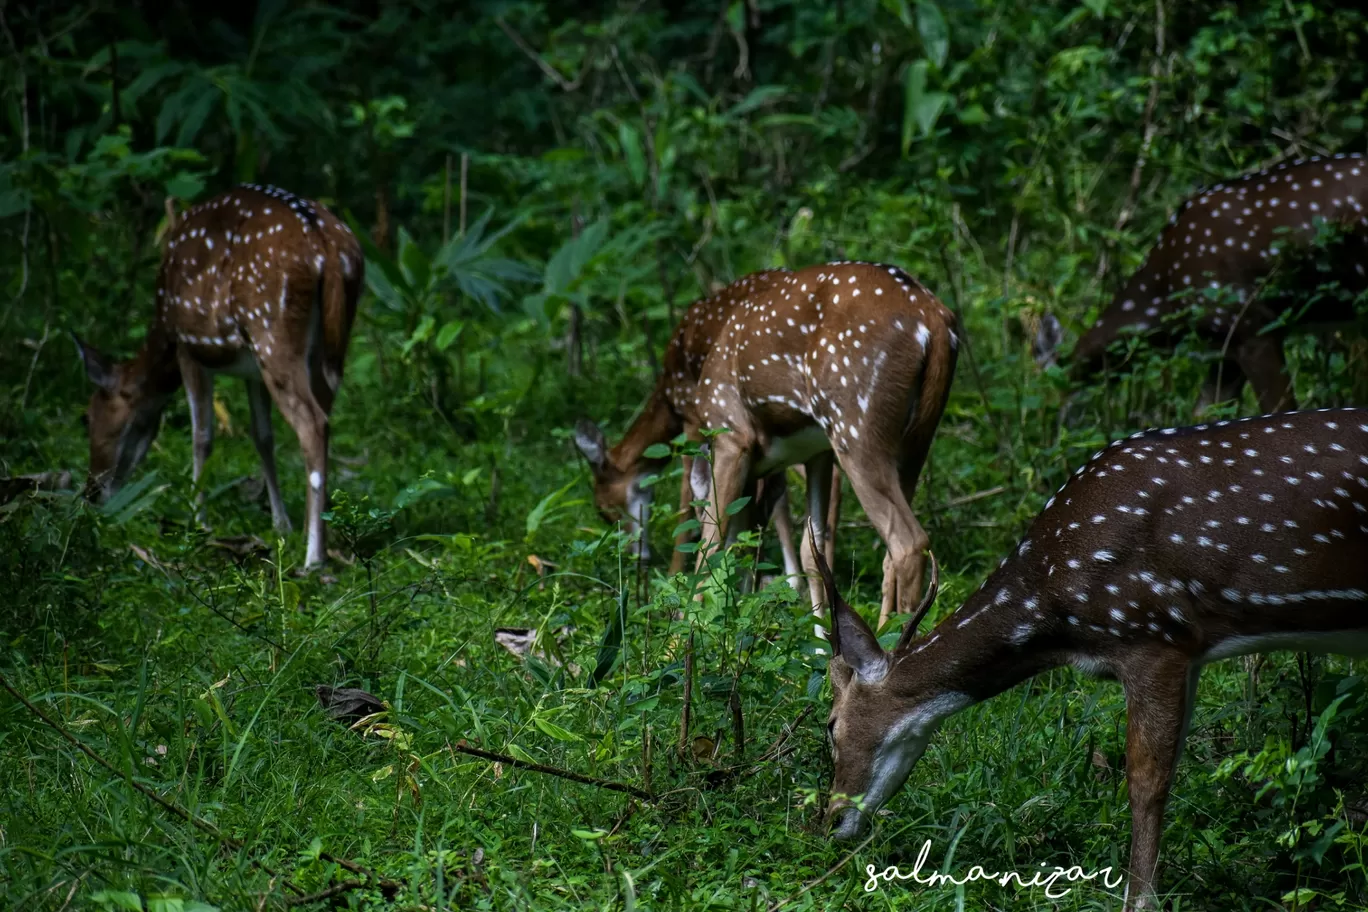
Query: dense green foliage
(544, 188)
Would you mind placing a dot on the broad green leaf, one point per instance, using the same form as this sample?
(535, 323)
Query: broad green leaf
(569, 261)
(184, 185)
(118, 899)
(921, 107)
(632, 153)
(553, 730)
(133, 498)
(900, 9)
(591, 835)
(448, 334)
(421, 333)
(657, 451)
(413, 263)
(538, 514)
(520, 754)
(736, 506)
(935, 34)
(757, 97)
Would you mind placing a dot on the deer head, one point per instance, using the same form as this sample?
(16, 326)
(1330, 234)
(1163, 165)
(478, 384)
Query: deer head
(122, 420)
(618, 491)
(879, 726)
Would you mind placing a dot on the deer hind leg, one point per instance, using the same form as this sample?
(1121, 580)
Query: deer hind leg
(1263, 362)
(880, 492)
(1159, 697)
(199, 390)
(295, 399)
(264, 438)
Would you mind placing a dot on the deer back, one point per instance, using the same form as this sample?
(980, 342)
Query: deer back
(248, 270)
(1230, 236)
(849, 347)
(1193, 537)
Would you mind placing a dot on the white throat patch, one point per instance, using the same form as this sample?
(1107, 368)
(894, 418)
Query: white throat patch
(904, 744)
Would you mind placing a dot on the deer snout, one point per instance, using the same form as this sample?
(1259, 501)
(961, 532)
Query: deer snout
(844, 820)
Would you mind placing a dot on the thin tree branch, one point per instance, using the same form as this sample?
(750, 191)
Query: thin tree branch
(1133, 192)
(547, 69)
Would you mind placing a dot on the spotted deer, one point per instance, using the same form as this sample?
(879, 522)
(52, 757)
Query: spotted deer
(1169, 550)
(257, 283)
(620, 470)
(1215, 255)
(843, 362)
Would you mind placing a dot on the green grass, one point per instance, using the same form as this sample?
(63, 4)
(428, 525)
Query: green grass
(190, 671)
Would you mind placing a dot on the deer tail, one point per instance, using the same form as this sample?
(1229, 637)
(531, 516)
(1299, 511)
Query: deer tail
(343, 271)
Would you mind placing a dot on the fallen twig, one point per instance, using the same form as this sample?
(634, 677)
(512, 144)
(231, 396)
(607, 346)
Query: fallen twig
(632, 790)
(341, 886)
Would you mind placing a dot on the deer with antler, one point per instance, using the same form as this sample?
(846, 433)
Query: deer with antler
(1169, 550)
(1215, 258)
(256, 283)
(844, 362)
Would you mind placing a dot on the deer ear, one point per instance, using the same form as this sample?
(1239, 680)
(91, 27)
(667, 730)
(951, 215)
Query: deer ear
(591, 442)
(700, 475)
(98, 367)
(1047, 340)
(851, 638)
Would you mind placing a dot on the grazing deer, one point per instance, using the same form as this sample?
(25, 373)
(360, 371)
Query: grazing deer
(257, 283)
(845, 361)
(619, 470)
(1169, 550)
(1229, 238)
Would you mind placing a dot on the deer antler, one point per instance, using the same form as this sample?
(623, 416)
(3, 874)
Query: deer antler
(910, 628)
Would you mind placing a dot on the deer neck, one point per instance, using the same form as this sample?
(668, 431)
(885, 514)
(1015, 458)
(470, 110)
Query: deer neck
(657, 423)
(988, 646)
(156, 366)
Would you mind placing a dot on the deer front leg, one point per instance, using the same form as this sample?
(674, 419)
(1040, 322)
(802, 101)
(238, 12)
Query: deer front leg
(783, 529)
(731, 465)
(818, 471)
(199, 390)
(677, 557)
(1159, 695)
(295, 399)
(1262, 360)
(264, 438)
(833, 514)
